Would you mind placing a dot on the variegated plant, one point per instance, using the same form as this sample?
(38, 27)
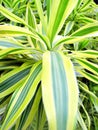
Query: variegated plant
(38, 85)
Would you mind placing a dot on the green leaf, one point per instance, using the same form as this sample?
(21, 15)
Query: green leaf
(5, 52)
(49, 5)
(12, 80)
(11, 30)
(5, 43)
(40, 121)
(31, 21)
(10, 15)
(7, 3)
(59, 90)
(41, 14)
(86, 19)
(60, 10)
(15, 18)
(15, 3)
(1, 1)
(68, 27)
(81, 121)
(93, 97)
(22, 96)
(43, 124)
(8, 64)
(4, 101)
(96, 122)
(88, 65)
(86, 113)
(85, 54)
(83, 44)
(29, 113)
(89, 30)
(89, 76)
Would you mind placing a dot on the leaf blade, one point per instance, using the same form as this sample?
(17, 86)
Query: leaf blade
(88, 65)
(62, 9)
(22, 96)
(89, 30)
(53, 91)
